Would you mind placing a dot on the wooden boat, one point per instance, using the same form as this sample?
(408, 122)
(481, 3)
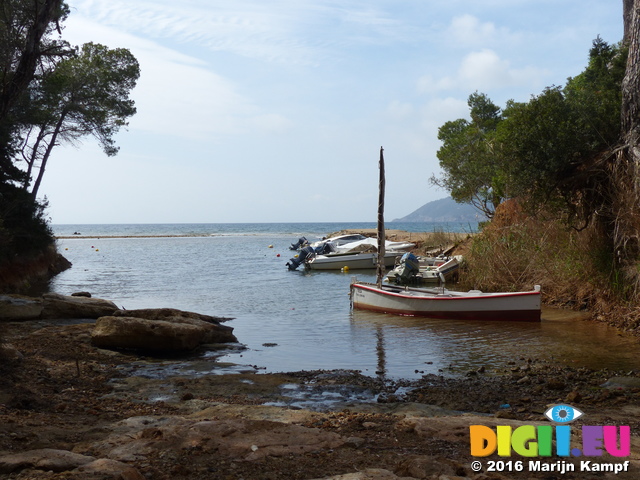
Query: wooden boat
(447, 304)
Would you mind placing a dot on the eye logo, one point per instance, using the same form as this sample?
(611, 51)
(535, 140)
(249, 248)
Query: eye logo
(563, 414)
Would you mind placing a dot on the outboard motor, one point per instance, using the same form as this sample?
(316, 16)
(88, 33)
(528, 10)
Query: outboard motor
(409, 267)
(302, 242)
(324, 248)
(294, 263)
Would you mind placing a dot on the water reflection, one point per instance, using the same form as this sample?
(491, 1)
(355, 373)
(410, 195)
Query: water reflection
(380, 351)
(456, 346)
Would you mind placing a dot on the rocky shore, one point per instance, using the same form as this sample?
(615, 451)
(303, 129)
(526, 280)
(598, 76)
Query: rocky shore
(71, 408)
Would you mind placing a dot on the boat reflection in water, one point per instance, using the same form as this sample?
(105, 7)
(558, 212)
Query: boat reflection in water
(455, 347)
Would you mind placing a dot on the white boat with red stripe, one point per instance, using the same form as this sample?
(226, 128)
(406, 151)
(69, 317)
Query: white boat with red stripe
(447, 304)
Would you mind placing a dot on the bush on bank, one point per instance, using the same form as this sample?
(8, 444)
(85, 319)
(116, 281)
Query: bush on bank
(575, 269)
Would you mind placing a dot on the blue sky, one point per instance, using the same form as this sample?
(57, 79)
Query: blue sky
(254, 111)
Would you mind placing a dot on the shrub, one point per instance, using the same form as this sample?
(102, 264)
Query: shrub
(572, 267)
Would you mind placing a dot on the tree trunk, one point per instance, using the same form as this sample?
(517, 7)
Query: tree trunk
(33, 155)
(626, 174)
(631, 81)
(47, 153)
(627, 10)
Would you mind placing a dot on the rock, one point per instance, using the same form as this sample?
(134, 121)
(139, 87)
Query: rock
(109, 468)
(18, 307)
(171, 333)
(555, 384)
(168, 313)
(10, 354)
(81, 294)
(136, 438)
(62, 306)
(622, 383)
(506, 413)
(368, 474)
(424, 467)
(573, 397)
(354, 442)
(44, 459)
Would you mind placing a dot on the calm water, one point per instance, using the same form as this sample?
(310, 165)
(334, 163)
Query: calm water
(230, 270)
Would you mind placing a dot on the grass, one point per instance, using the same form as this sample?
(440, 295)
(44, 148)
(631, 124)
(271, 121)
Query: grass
(574, 268)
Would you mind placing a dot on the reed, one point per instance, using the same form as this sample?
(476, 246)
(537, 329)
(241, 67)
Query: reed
(574, 268)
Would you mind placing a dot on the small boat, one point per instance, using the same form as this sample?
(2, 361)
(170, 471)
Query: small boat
(351, 261)
(356, 252)
(369, 244)
(446, 304)
(340, 240)
(412, 270)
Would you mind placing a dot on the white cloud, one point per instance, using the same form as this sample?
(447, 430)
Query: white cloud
(288, 32)
(179, 95)
(484, 70)
(468, 30)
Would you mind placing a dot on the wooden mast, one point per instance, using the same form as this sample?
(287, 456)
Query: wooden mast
(381, 232)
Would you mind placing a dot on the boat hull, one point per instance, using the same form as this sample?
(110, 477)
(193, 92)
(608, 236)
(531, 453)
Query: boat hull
(517, 306)
(355, 261)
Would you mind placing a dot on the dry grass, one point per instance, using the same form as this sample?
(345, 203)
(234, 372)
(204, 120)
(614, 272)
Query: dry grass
(517, 252)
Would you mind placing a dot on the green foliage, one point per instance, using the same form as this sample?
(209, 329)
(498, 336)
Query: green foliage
(467, 156)
(86, 94)
(27, 49)
(551, 150)
(90, 93)
(23, 225)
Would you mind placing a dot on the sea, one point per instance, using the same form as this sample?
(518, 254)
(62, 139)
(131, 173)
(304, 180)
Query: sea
(302, 320)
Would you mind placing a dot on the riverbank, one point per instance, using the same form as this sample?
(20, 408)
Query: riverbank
(88, 407)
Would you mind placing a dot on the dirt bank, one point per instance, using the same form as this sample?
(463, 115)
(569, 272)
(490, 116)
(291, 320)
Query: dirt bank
(66, 395)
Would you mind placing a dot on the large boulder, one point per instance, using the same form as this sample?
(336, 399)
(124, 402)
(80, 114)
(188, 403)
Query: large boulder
(18, 307)
(74, 465)
(44, 459)
(163, 313)
(63, 306)
(241, 439)
(158, 331)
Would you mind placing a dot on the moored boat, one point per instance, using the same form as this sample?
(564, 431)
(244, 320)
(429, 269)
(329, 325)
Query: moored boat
(447, 304)
(412, 270)
(351, 261)
(355, 252)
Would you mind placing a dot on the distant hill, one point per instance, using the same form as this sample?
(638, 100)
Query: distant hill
(444, 210)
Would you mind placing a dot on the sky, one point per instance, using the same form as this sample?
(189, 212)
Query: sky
(275, 111)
